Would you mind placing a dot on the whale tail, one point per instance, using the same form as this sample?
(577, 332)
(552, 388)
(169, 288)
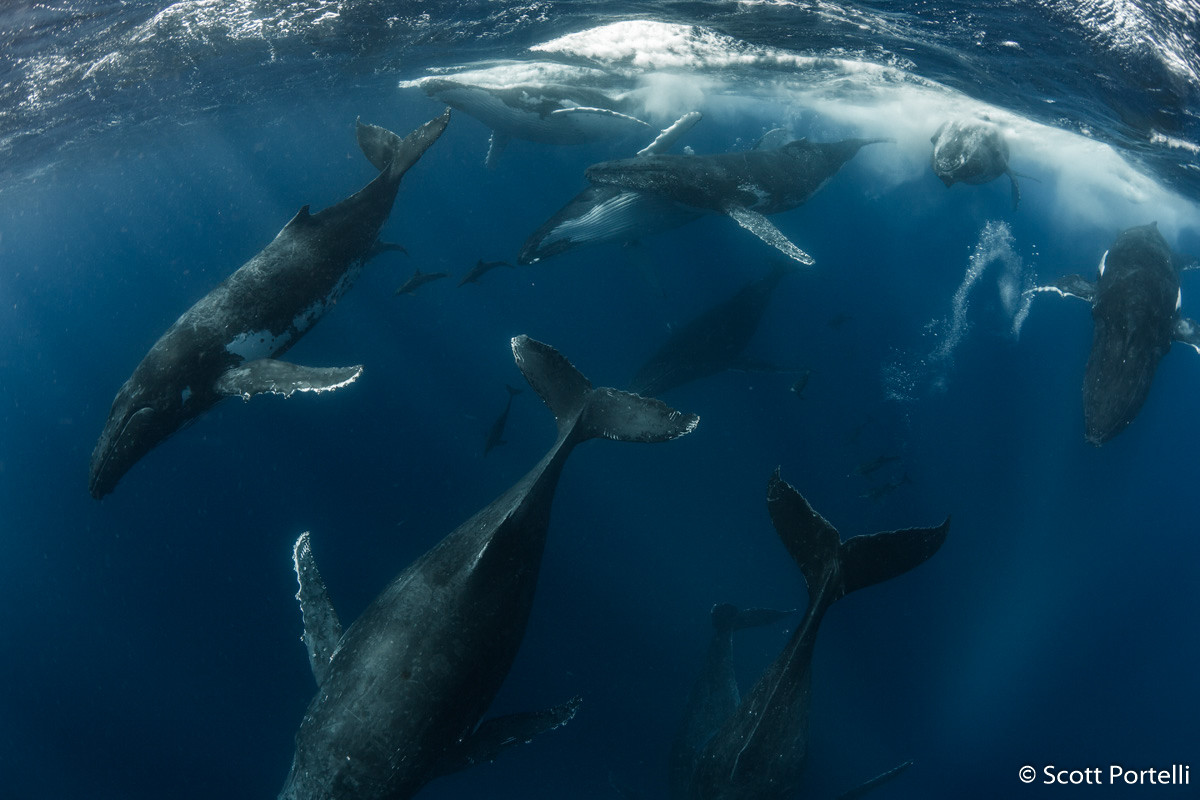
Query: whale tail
(836, 568)
(586, 412)
(388, 152)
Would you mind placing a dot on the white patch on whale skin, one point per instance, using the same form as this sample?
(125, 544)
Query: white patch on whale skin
(185, 395)
(760, 195)
(254, 345)
(1103, 262)
(1178, 299)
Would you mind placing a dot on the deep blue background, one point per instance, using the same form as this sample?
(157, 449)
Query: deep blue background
(152, 639)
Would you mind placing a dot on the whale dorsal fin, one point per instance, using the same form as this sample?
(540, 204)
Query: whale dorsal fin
(761, 227)
(322, 628)
(269, 375)
(302, 218)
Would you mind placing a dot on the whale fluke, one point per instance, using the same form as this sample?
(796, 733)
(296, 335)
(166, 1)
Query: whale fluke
(836, 568)
(592, 413)
(387, 151)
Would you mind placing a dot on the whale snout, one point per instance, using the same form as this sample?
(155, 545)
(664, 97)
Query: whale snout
(127, 436)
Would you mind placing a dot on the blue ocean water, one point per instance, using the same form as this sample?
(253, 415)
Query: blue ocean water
(149, 149)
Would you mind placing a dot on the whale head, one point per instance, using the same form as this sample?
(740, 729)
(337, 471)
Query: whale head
(139, 421)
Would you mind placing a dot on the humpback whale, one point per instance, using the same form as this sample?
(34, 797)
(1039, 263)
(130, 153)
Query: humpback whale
(529, 101)
(227, 343)
(402, 690)
(1135, 314)
(746, 186)
(609, 213)
(758, 752)
(712, 342)
(714, 695)
(971, 151)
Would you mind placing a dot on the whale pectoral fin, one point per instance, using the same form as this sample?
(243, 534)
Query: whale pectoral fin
(761, 227)
(670, 135)
(1070, 286)
(866, 786)
(1188, 332)
(588, 111)
(322, 628)
(281, 377)
(494, 736)
(496, 144)
(1016, 190)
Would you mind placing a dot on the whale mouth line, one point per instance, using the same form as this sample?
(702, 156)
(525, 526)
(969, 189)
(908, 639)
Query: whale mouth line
(111, 446)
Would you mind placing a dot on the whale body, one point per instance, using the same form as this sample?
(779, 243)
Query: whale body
(227, 344)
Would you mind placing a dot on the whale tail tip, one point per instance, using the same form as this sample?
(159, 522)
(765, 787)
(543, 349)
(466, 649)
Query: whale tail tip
(591, 412)
(858, 562)
(387, 151)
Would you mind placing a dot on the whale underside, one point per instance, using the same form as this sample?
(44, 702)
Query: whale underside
(1136, 301)
(228, 343)
(973, 152)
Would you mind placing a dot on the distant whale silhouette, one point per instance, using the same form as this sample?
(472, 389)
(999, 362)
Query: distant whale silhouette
(746, 185)
(495, 436)
(403, 689)
(712, 342)
(971, 151)
(759, 751)
(1135, 312)
(518, 103)
(611, 214)
(227, 343)
(714, 696)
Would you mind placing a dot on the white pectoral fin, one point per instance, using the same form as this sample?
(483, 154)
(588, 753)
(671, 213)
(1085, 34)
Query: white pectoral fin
(496, 146)
(670, 135)
(761, 227)
(588, 111)
(1070, 286)
(1188, 332)
(322, 629)
(281, 377)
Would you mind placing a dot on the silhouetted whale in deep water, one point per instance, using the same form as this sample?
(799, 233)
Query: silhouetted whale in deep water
(227, 343)
(759, 751)
(402, 691)
(746, 185)
(712, 342)
(1135, 311)
(714, 696)
(971, 151)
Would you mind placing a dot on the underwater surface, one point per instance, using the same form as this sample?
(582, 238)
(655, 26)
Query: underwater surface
(147, 150)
